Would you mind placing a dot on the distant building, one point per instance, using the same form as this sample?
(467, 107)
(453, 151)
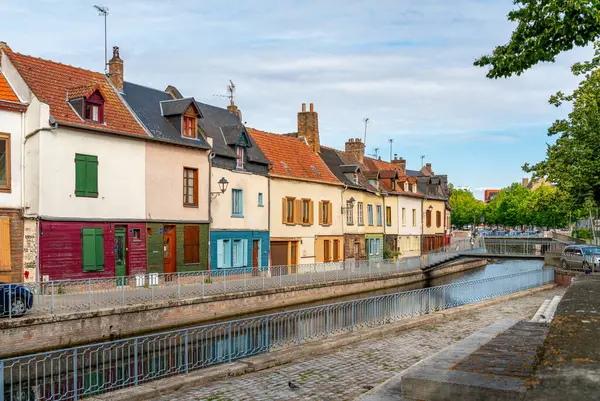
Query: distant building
(535, 184)
(490, 194)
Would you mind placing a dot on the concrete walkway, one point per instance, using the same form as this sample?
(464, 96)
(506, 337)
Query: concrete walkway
(352, 371)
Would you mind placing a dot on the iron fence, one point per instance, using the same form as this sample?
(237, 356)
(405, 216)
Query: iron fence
(519, 247)
(63, 296)
(80, 372)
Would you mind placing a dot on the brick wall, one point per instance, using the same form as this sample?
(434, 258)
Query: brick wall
(349, 241)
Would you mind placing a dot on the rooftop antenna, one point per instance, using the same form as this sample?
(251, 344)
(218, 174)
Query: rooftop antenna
(376, 154)
(422, 158)
(391, 141)
(230, 93)
(366, 121)
(103, 11)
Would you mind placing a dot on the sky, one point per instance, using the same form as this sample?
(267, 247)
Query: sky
(406, 65)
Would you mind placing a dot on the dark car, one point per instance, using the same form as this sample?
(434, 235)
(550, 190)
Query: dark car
(15, 300)
(581, 257)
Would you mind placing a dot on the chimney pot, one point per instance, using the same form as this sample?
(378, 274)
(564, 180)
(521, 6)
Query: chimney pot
(355, 148)
(525, 182)
(115, 69)
(308, 127)
(395, 156)
(312, 108)
(304, 107)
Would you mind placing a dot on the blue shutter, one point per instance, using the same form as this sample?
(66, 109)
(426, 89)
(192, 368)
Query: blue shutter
(220, 255)
(227, 250)
(245, 252)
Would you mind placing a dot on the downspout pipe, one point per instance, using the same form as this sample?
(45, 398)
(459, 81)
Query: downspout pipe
(211, 156)
(342, 210)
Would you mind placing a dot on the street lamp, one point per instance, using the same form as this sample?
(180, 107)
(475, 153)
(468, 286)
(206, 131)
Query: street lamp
(222, 188)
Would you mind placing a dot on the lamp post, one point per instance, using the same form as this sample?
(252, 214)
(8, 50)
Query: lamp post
(223, 183)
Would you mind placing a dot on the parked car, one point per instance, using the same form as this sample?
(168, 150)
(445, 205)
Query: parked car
(15, 300)
(581, 257)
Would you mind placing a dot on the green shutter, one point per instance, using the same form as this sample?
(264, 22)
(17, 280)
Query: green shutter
(88, 248)
(92, 176)
(99, 242)
(80, 181)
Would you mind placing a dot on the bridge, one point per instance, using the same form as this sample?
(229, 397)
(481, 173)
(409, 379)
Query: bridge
(518, 248)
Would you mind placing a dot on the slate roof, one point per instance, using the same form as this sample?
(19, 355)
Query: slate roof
(146, 104)
(173, 107)
(223, 126)
(6, 92)
(49, 80)
(292, 158)
(338, 167)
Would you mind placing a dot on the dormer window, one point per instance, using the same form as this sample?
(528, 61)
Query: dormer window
(355, 178)
(94, 107)
(88, 102)
(189, 127)
(240, 157)
(393, 184)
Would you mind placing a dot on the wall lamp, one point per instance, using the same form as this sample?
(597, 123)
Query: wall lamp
(350, 204)
(223, 183)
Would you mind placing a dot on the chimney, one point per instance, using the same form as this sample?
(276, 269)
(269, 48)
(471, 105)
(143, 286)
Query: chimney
(399, 163)
(356, 148)
(525, 182)
(115, 69)
(234, 109)
(308, 127)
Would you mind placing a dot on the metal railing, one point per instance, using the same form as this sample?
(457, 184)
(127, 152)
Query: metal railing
(520, 247)
(80, 372)
(63, 296)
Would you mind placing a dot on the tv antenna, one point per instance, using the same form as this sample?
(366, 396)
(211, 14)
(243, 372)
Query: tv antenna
(103, 12)
(230, 93)
(375, 153)
(366, 121)
(422, 158)
(391, 141)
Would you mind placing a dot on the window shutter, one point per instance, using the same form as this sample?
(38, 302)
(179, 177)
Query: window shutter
(220, 253)
(380, 243)
(80, 181)
(320, 212)
(227, 249)
(311, 212)
(99, 241)
(92, 175)
(298, 211)
(88, 248)
(284, 210)
(329, 213)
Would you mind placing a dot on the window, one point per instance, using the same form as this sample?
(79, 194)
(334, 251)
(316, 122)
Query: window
(94, 108)
(86, 175)
(388, 216)
(349, 213)
(136, 234)
(405, 186)
(189, 127)
(190, 186)
(148, 231)
(370, 214)
(307, 211)
(403, 217)
(237, 204)
(379, 216)
(325, 213)
(232, 253)
(336, 250)
(393, 184)
(438, 219)
(377, 246)
(191, 245)
(359, 213)
(260, 199)
(4, 162)
(289, 213)
(240, 157)
(92, 249)
(428, 218)
(326, 251)
(414, 217)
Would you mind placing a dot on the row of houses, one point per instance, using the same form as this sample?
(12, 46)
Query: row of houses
(103, 177)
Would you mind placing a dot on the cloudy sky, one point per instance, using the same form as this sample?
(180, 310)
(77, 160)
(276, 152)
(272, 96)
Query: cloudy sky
(406, 65)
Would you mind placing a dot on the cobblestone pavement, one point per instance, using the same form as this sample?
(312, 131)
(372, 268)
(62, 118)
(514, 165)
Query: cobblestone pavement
(351, 371)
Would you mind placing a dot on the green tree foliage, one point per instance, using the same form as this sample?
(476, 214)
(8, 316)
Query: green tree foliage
(544, 29)
(466, 209)
(573, 161)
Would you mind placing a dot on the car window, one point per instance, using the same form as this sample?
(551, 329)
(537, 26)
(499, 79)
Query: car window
(577, 252)
(591, 250)
(568, 251)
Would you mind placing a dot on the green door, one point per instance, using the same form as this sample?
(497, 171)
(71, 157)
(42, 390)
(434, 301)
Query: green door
(120, 255)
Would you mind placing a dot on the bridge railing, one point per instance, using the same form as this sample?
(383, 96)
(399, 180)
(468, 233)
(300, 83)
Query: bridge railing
(80, 372)
(520, 247)
(64, 296)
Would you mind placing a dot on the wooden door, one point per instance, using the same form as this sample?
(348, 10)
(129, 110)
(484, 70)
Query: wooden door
(169, 242)
(293, 256)
(255, 256)
(5, 264)
(356, 252)
(120, 254)
(279, 257)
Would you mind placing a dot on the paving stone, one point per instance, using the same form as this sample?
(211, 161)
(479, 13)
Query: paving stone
(348, 372)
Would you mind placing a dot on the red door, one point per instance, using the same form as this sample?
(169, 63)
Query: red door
(255, 256)
(169, 239)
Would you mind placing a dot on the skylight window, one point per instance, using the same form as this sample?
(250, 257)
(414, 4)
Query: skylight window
(315, 170)
(286, 167)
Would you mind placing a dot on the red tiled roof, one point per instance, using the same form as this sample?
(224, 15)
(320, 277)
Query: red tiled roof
(296, 155)
(50, 80)
(385, 168)
(6, 92)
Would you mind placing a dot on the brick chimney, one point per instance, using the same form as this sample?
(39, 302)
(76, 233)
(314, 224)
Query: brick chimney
(525, 182)
(234, 109)
(115, 69)
(356, 148)
(308, 127)
(399, 163)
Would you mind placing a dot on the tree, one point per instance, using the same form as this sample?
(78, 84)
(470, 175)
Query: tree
(465, 208)
(511, 210)
(573, 161)
(544, 29)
